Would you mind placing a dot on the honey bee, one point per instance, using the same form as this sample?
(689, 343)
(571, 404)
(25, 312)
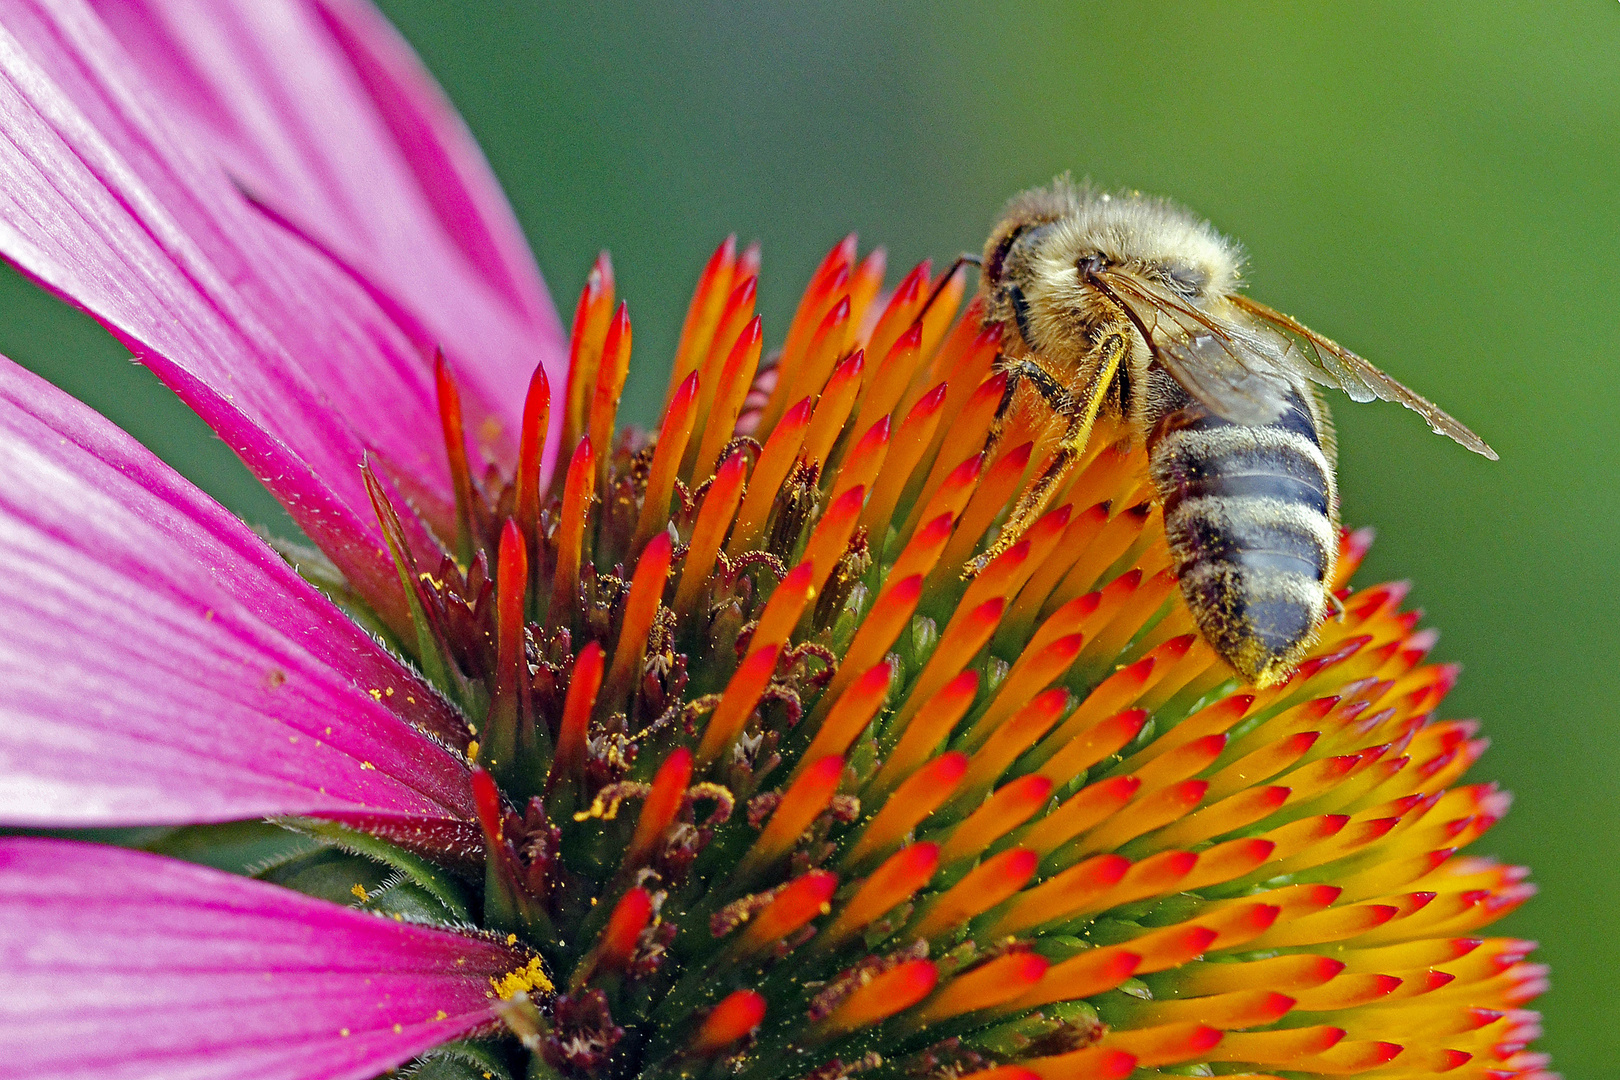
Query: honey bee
(1127, 307)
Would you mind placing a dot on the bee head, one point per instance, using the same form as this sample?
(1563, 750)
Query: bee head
(1049, 243)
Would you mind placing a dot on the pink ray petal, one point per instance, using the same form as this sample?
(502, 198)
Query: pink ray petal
(106, 201)
(322, 112)
(119, 965)
(160, 664)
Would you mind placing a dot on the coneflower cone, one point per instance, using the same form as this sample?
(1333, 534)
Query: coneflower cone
(775, 792)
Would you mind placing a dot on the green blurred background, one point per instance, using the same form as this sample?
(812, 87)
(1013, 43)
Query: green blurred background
(1435, 184)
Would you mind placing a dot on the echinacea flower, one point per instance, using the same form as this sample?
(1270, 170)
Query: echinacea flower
(693, 755)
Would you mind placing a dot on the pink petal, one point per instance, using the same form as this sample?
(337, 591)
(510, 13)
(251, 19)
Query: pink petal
(160, 664)
(322, 112)
(106, 201)
(120, 965)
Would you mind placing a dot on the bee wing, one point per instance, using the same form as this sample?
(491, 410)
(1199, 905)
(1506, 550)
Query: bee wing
(1332, 364)
(1235, 372)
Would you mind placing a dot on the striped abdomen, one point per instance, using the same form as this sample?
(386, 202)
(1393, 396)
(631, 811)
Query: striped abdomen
(1251, 514)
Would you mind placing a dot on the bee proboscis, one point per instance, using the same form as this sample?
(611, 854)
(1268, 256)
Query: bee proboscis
(1127, 307)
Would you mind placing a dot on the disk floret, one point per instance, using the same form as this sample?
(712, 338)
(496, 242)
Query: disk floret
(773, 791)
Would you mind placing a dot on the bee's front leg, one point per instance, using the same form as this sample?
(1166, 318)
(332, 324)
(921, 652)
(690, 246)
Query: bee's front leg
(1079, 417)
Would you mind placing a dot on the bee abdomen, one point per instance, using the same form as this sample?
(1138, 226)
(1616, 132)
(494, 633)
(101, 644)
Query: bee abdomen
(1250, 515)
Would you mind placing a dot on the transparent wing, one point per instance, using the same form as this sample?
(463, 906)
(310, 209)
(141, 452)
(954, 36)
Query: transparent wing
(1331, 364)
(1236, 372)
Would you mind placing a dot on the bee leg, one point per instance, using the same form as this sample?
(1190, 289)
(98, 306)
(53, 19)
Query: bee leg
(1081, 416)
(1335, 607)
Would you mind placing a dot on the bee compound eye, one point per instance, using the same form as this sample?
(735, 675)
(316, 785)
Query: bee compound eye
(1091, 263)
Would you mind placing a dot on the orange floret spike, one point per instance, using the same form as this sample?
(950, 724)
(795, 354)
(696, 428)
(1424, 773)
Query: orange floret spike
(531, 446)
(968, 432)
(646, 590)
(737, 703)
(986, 885)
(455, 443)
(936, 317)
(1287, 974)
(1064, 895)
(1031, 672)
(578, 491)
(890, 885)
(801, 804)
(1148, 812)
(918, 795)
(1114, 693)
(592, 315)
(896, 365)
(894, 991)
(785, 606)
(714, 518)
(959, 644)
(889, 615)
(737, 1016)
(719, 424)
(864, 286)
(574, 730)
(1092, 972)
(899, 315)
(848, 718)
(1096, 742)
(830, 538)
(658, 812)
(922, 552)
(800, 901)
(609, 386)
(986, 986)
(672, 439)
(617, 943)
(963, 363)
(509, 729)
(775, 461)
(703, 314)
(1239, 1009)
(1092, 1063)
(828, 287)
(1008, 808)
(915, 434)
(1001, 483)
(860, 467)
(922, 733)
(1077, 537)
(1229, 861)
(1091, 804)
(1286, 1049)
(1168, 1045)
(1008, 741)
(1011, 1072)
(821, 360)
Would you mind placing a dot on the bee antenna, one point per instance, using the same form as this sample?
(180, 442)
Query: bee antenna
(962, 260)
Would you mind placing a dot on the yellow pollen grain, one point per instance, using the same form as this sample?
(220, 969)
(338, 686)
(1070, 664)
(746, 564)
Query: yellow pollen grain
(389, 691)
(511, 939)
(376, 695)
(398, 1028)
(472, 750)
(528, 977)
(360, 893)
(343, 1032)
(329, 731)
(367, 765)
